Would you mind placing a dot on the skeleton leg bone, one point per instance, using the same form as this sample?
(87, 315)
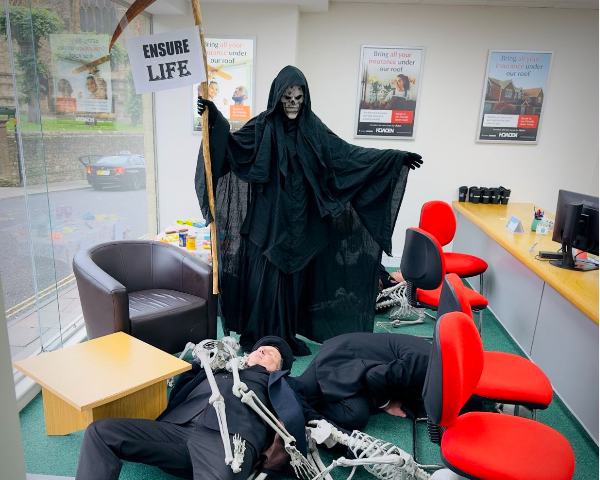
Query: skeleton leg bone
(216, 400)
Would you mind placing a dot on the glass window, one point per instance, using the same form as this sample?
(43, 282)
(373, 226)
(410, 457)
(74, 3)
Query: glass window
(70, 113)
(508, 93)
(118, 160)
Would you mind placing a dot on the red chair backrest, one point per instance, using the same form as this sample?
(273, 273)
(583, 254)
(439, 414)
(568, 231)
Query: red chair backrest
(454, 369)
(423, 262)
(453, 297)
(438, 219)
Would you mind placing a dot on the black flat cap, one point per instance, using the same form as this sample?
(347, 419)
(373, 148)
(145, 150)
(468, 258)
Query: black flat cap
(279, 344)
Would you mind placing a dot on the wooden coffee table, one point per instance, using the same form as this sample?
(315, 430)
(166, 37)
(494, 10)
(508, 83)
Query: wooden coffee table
(111, 376)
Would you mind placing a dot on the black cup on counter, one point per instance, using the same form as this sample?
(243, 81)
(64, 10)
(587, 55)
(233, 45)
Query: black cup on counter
(471, 189)
(462, 194)
(495, 196)
(476, 195)
(485, 195)
(505, 196)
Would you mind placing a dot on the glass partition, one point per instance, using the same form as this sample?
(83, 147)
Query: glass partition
(76, 157)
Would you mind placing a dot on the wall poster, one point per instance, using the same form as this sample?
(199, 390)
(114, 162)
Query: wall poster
(514, 94)
(230, 63)
(82, 77)
(389, 86)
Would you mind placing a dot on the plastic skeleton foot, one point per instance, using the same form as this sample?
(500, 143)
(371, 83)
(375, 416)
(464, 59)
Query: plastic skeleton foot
(302, 467)
(381, 459)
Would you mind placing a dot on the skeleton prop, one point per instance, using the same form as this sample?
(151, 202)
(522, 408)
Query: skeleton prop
(396, 296)
(383, 460)
(216, 355)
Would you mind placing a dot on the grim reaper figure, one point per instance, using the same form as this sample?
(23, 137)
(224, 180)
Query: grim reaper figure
(302, 219)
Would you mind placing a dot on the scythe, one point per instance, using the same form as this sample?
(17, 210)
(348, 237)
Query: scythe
(133, 11)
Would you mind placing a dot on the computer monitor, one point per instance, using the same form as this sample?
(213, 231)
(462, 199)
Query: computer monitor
(576, 226)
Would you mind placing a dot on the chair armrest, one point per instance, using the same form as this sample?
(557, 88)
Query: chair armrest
(197, 279)
(104, 300)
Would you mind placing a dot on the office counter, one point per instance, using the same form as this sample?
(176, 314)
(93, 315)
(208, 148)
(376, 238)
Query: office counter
(552, 313)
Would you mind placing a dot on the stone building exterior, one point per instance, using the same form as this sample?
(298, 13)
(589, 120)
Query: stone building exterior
(62, 148)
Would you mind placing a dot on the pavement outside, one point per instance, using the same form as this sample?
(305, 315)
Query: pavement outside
(12, 192)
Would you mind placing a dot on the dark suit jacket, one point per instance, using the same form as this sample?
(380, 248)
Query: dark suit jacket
(387, 365)
(276, 390)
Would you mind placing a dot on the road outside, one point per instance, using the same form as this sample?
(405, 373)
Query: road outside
(78, 218)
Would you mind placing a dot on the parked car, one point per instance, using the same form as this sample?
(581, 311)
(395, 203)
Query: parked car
(124, 169)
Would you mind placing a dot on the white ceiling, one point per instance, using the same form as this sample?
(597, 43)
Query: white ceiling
(182, 7)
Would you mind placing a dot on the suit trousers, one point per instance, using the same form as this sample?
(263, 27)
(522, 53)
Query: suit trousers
(189, 451)
(350, 413)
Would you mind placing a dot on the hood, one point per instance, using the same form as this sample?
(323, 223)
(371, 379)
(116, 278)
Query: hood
(285, 78)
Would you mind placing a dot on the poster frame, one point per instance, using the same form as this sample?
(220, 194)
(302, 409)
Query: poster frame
(483, 90)
(253, 103)
(358, 93)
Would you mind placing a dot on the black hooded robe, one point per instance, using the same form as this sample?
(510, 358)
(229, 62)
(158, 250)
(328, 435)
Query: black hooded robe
(302, 219)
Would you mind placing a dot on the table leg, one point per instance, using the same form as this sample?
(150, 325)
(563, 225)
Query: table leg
(62, 418)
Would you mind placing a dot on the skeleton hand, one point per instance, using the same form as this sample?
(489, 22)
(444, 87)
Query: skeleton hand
(413, 160)
(323, 432)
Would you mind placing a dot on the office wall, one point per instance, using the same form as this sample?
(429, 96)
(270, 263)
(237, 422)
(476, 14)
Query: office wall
(327, 48)
(457, 40)
(276, 31)
(11, 449)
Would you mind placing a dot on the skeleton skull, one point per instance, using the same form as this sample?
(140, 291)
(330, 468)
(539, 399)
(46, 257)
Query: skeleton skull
(292, 100)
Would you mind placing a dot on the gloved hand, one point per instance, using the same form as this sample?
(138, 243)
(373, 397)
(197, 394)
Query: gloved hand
(413, 160)
(322, 432)
(204, 104)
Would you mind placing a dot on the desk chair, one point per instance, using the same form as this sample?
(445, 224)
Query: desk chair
(506, 378)
(478, 445)
(424, 267)
(437, 218)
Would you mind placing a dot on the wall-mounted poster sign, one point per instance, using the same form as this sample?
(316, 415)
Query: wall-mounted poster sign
(81, 76)
(167, 60)
(389, 84)
(230, 63)
(514, 95)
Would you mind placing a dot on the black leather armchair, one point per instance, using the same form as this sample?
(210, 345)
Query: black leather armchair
(151, 290)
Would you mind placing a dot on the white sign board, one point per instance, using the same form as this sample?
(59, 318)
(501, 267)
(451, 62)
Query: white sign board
(167, 60)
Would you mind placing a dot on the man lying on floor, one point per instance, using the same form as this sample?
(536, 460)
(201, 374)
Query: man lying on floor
(185, 440)
(357, 374)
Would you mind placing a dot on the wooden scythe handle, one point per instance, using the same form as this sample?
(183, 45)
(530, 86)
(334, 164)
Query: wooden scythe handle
(206, 154)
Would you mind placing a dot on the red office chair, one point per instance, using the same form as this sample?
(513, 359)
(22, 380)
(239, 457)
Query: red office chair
(423, 267)
(438, 219)
(485, 446)
(506, 378)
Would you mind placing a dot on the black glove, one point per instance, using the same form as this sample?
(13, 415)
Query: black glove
(204, 104)
(413, 160)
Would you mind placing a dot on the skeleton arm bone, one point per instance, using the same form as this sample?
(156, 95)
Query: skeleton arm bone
(302, 467)
(381, 459)
(239, 387)
(188, 346)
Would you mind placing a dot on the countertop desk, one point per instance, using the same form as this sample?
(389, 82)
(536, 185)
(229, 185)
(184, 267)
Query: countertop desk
(550, 312)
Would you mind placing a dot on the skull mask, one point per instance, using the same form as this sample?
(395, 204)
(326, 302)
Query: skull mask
(292, 100)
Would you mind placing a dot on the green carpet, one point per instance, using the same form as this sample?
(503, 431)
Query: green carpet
(59, 455)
